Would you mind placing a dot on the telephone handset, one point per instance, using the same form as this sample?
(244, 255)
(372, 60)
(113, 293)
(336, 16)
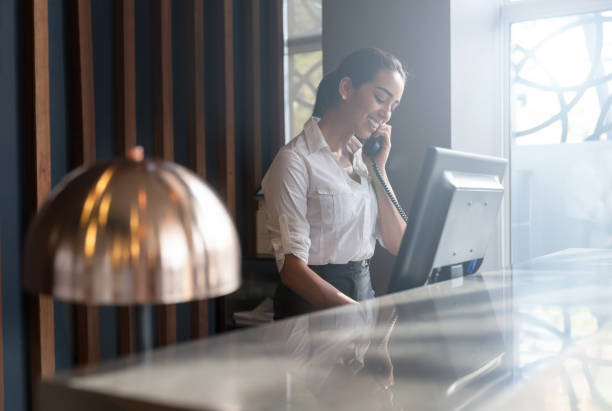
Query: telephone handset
(370, 148)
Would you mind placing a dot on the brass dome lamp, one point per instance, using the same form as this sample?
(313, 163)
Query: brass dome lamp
(132, 231)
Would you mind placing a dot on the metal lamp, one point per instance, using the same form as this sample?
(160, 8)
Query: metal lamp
(132, 231)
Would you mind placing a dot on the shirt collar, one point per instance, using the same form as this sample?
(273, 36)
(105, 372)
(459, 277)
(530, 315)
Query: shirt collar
(313, 136)
(315, 140)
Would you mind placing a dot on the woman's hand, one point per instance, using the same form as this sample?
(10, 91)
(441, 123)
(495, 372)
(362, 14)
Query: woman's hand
(384, 131)
(298, 277)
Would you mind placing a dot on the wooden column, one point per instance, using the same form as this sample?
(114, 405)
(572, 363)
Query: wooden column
(125, 120)
(125, 76)
(127, 330)
(83, 118)
(253, 118)
(38, 160)
(162, 77)
(163, 129)
(84, 153)
(197, 132)
(227, 131)
(227, 155)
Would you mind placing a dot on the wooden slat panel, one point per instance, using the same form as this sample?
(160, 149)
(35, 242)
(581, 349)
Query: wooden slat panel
(166, 324)
(125, 76)
(227, 131)
(127, 327)
(83, 118)
(199, 318)
(125, 120)
(163, 129)
(87, 334)
(37, 123)
(227, 155)
(87, 319)
(253, 118)
(197, 132)
(162, 77)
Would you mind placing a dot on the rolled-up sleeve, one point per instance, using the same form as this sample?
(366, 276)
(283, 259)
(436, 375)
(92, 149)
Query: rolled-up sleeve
(285, 188)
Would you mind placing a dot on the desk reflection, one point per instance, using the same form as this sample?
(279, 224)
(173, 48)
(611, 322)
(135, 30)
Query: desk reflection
(338, 354)
(438, 363)
(536, 336)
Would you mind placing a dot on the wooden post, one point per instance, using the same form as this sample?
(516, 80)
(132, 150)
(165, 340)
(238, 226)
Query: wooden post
(38, 159)
(227, 154)
(162, 77)
(125, 76)
(125, 119)
(84, 153)
(253, 117)
(197, 132)
(163, 129)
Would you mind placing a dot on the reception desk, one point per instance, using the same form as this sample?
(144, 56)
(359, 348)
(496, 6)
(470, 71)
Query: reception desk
(534, 336)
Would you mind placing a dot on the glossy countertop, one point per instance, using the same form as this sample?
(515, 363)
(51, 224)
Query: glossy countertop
(534, 336)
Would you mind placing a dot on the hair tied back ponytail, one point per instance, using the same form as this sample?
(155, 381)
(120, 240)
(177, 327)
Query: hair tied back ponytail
(326, 94)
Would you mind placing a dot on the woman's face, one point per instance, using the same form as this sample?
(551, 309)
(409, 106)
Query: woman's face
(372, 103)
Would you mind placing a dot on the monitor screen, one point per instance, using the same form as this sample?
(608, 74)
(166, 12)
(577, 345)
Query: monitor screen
(451, 219)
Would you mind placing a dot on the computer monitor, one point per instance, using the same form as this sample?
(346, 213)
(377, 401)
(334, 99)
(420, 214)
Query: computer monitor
(451, 219)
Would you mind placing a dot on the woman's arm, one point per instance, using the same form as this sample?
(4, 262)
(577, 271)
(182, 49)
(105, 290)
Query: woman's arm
(298, 277)
(392, 225)
(285, 191)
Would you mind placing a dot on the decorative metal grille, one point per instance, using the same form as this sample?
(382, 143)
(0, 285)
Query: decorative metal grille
(306, 70)
(303, 17)
(304, 60)
(561, 79)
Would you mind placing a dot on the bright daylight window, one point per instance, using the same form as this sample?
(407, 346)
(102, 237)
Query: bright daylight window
(561, 133)
(303, 61)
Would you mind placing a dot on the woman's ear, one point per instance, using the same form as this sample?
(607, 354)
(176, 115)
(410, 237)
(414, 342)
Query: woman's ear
(345, 88)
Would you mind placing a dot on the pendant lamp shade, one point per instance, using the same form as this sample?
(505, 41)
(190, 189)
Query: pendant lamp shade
(132, 232)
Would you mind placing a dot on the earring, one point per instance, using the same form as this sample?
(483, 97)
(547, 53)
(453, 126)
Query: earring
(343, 97)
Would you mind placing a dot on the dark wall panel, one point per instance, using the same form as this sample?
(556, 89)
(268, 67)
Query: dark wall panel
(180, 80)
(418, 32)
(144, 75)
(61, 149)
(12, 202)
(104, 81)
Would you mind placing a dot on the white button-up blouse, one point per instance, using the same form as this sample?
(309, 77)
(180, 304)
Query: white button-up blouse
(314, 209)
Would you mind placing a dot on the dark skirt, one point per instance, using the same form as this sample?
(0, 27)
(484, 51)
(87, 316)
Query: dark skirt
(351, 279)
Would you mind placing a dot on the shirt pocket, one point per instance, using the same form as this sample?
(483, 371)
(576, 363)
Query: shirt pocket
(336, 207)
(327, 202)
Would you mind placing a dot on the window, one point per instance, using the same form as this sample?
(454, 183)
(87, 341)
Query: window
(559, 134)
(303, 61)
(559, 127)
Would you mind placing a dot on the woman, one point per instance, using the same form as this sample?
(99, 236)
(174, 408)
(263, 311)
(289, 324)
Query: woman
(324, 208)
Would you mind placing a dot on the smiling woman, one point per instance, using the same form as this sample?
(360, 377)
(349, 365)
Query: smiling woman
(324, 210)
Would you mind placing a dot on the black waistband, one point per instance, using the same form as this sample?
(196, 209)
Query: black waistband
(350, 264)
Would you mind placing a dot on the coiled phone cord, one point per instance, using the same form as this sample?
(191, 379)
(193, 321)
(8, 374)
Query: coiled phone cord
(389, 193)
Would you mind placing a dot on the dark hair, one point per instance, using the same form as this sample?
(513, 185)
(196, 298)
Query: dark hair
(361, 66)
